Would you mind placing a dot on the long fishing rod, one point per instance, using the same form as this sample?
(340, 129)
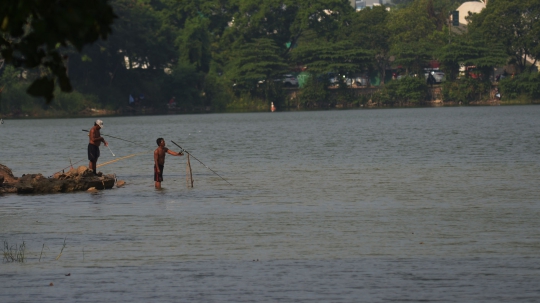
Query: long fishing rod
(111, 151)
(84, 130)
(125, 157)
(199, 161)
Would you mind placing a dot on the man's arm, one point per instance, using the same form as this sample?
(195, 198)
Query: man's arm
(101, 139)
(170, 152)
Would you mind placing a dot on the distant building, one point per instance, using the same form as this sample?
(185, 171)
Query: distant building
(473, 7)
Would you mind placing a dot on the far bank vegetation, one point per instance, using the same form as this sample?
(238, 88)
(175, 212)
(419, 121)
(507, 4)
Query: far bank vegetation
(215, 55)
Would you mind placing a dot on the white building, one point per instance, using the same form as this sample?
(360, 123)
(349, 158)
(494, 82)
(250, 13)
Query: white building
(473, 7)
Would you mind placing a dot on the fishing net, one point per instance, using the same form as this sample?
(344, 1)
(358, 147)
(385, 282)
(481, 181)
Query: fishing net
(189, 175)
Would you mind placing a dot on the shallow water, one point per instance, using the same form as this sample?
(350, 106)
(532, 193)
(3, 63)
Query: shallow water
(393, 205)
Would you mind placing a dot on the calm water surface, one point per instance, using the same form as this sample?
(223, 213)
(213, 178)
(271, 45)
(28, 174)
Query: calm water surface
(394, 205)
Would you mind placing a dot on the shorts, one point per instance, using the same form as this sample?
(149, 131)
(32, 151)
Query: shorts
(158, 177)
(93, 152)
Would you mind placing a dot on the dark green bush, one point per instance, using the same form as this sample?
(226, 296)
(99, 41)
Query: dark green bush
(405, 90)
(314, 92)
(526, 84)
(216, 92)
(72, 103)
(465, 90)
(15, 100)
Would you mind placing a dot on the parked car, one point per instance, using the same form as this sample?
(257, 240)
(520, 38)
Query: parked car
(411, 74)
(288, 80)
(334, 81)
(357, 81)
(438, 75)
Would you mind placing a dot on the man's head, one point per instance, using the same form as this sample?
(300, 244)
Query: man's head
(99, 123)
(159, 140)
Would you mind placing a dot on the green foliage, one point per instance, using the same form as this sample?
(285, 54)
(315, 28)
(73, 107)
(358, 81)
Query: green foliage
(194, 43)
(15, 100)
(526, 84)
(253, 62)
(185, 84)
(368, 31)
(341, 57)
(246, 101)
(314, 92)
(33, 34)
(465, 90)
(470, 49)
(412, 40)
(10, 75)
(515, 24)
(72, 103)
(272, 91)
(403, 91)
(216, 92)
(227, 54)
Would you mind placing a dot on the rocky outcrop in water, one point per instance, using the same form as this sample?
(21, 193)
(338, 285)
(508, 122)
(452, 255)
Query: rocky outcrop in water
(79, 179)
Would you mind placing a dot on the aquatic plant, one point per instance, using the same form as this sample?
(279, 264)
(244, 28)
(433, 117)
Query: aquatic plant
(13, 253)
(62, 250)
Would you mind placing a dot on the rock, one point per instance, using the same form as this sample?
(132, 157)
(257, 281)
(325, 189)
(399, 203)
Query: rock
(72, 172)
(7, 174)
(6, 189)
(81, 170)
(1, 180)
(120, 183)
(79, 179)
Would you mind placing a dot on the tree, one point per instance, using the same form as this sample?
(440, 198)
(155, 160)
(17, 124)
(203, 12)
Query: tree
(194, 43)
(255, 61)
(341, 57)
(35, 32)
(412, 40)
(285, 21)
(470, 49)
(516, 24)
(368, 30)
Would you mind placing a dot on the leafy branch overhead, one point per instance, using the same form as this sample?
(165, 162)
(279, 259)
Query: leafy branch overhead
(34, 34)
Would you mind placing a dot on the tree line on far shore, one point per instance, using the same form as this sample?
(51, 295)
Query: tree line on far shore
(67, 57)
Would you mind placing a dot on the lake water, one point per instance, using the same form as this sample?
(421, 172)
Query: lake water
(383, 205)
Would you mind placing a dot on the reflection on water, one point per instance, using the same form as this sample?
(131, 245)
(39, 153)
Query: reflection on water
(435, 204)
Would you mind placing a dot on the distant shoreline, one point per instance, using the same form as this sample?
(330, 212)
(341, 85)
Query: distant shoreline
(340, 106)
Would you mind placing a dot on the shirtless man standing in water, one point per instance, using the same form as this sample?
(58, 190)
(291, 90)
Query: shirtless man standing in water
(159, 161)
